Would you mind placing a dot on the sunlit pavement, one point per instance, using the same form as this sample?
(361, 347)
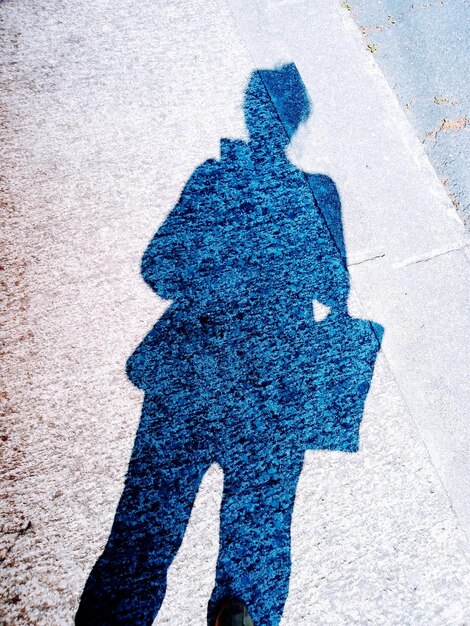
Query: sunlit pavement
(109, 108)
(422, 49)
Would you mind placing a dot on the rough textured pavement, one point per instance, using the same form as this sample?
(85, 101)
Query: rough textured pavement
(423, 50)
(108, 109)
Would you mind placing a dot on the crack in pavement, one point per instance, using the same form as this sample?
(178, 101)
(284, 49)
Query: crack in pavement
(427, 257)
(372, 258)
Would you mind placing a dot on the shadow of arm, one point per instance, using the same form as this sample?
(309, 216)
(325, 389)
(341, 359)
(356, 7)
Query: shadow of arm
(333, 287)
(329, 203)
(169, 264)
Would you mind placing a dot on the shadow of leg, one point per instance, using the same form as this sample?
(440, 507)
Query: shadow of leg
(254, 559)
(128, 582)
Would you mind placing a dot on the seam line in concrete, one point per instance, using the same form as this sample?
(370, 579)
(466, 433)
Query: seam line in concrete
(372, 258)
(427, 257)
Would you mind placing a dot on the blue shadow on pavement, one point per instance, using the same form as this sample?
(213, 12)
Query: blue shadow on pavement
(237, 371)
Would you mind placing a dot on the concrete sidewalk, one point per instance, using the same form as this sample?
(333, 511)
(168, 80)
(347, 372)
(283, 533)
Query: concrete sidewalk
(108, 109)
(422, 49)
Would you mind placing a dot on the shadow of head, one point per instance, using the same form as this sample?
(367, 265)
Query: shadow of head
(286, 90)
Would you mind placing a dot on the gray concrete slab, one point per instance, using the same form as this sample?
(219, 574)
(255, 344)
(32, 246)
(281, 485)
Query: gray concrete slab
(423, 49)
(109, 108)
(398, 220)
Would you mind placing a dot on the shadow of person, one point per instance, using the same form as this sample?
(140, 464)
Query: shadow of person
(237, 371)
